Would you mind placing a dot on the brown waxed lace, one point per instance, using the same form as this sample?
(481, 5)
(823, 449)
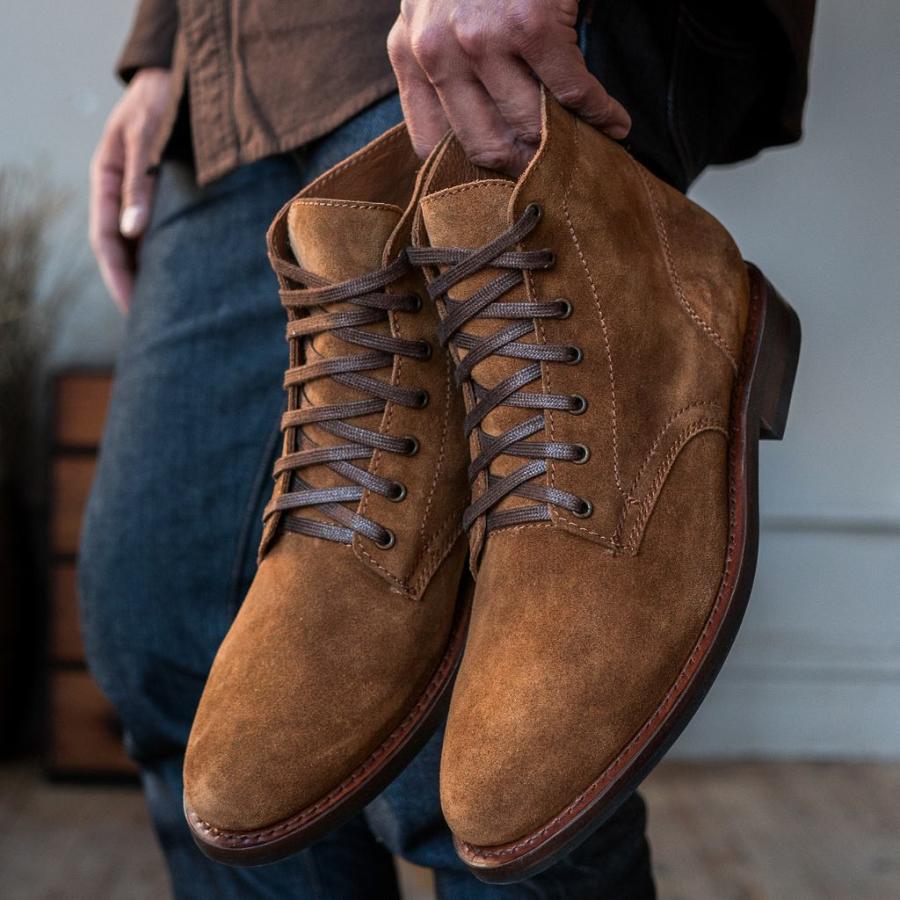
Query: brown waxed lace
(309, 303)
(515, 441)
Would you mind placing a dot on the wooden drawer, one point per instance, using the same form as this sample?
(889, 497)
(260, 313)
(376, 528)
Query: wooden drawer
(65, 629)
(80, 408)
(85, 738)
(72, 477)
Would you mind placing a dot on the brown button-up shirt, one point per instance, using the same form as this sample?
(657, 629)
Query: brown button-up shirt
(263, 77)
(266, 76)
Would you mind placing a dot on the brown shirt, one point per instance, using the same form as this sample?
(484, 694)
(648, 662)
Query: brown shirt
(267, 76)
(263, 77)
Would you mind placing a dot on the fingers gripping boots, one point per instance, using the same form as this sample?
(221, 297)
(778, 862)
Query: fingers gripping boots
(339, 662)
(619, 363)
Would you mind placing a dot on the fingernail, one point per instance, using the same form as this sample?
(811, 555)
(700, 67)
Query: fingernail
(130, 221)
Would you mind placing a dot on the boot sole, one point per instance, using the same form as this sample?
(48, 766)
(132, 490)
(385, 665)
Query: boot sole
(760, 405)
(281, 839)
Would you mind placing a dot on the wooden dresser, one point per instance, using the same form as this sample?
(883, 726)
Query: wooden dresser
(83, 736)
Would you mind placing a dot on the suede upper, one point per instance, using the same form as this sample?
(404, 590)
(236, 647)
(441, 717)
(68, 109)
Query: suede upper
(336, 642)
(580, 625)
(320, 666)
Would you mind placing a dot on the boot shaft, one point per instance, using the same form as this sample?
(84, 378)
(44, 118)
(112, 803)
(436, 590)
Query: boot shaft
(658, 295)
(392, 414)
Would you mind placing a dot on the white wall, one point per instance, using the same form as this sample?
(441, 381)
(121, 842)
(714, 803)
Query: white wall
(816, 669)
(56, 68)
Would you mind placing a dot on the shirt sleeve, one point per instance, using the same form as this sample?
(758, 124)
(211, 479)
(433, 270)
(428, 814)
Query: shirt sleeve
(151, 40)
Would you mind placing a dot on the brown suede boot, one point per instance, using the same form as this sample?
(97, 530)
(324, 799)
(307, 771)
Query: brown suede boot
(619, 363)
(338, 665)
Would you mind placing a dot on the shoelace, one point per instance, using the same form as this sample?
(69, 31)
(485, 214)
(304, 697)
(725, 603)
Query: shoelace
(310, 316)
(507, 342)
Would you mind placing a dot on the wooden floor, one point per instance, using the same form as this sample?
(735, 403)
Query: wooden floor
(748, 831)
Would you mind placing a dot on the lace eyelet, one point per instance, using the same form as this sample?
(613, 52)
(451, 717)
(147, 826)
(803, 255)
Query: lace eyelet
(535, 209)
(412, 446)
(396, 492)
(427, 351)
(421, 400)
(585, 510)
(551, 260)
(580, 405)
(576, 355)
(584, 454)
(566, 308)
(417, 303)
(387, 542)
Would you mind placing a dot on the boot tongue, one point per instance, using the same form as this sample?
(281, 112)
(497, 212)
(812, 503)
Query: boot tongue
(338, 240)
(470, 216)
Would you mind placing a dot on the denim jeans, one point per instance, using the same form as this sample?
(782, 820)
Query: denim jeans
(175, 515)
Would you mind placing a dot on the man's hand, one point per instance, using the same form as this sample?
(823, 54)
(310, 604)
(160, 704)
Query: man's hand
(121, 189)
(474, 66)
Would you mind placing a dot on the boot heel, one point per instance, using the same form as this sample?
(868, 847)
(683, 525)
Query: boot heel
(778, 356)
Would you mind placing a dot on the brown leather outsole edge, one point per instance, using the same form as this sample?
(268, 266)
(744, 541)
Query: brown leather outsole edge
(280, 839)
(759, 410)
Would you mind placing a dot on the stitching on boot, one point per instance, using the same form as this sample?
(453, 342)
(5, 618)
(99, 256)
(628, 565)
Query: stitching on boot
(662, 431)
(602, 317)
(662, 233)
(412, 586)
(411, 589)
(648, 504)
(509, 529)
(353, 160)
(607, 540)
(312, 201)
(489, 185)
(437, 556)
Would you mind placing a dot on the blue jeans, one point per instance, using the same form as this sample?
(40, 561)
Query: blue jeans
(172, 528)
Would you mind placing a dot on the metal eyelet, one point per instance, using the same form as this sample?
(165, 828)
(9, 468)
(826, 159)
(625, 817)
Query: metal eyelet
(576, 355)
(417, 303)
(534, 209)
(551, 260)
(389, 541)
(427, 351)
(580, 405)
(585, 510)
(566, 308)
(584, 454)
(412, 446)
(421, 400)
(396, 493)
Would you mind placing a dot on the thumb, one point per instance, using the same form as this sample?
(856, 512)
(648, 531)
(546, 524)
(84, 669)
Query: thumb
(137, 186)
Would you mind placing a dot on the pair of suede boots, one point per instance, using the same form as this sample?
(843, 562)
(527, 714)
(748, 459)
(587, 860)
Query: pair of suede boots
(521, 443)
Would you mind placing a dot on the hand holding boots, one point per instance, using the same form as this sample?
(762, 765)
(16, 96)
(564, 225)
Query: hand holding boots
(477, 68)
